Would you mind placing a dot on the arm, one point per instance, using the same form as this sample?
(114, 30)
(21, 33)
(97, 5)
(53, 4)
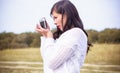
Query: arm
(57, 53)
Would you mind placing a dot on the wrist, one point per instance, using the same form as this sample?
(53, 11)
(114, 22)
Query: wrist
(49, 34)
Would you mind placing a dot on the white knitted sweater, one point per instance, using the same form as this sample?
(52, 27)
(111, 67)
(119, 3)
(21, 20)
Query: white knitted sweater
(66, 54)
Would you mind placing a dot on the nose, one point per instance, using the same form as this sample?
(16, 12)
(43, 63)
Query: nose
(55, 22)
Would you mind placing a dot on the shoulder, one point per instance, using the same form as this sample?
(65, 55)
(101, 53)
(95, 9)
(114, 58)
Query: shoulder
(74, 33)
(75, 30)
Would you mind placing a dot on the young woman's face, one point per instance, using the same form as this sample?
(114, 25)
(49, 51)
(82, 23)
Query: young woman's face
(58, 20)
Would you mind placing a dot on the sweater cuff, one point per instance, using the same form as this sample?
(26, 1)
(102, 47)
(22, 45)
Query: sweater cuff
(42, 40)
(49, 41)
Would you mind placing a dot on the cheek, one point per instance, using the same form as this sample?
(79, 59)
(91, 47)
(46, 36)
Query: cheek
(64, 20)
(59, 19)
(56, 21)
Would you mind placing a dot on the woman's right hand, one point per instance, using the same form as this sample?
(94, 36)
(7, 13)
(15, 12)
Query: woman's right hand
(44, 31)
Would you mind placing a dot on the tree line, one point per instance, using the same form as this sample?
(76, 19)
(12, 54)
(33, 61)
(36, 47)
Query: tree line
(105, 36)
(10, 40)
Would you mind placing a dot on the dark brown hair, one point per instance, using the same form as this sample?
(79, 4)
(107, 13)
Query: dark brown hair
(73, 18)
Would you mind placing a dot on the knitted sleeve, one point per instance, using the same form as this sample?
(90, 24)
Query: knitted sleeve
(57, 53)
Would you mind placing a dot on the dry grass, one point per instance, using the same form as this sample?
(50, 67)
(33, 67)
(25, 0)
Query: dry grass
(104, 54)
(26, 54)
(99, 54)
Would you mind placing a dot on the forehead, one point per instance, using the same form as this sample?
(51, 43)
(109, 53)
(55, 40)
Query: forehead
(54, 13)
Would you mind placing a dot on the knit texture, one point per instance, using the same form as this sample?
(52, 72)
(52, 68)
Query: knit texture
(66, 54)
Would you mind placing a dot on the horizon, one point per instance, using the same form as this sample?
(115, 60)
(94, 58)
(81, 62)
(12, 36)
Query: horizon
(55, 28)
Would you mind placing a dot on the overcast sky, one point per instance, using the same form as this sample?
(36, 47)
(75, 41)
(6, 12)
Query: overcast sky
(22, 15)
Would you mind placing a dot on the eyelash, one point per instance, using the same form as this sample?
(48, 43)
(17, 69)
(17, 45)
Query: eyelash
(55, 17)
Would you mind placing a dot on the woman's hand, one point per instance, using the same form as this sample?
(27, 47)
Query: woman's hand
(45, 32)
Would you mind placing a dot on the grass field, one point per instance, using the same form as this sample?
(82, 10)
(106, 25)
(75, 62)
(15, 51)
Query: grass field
(104, 54)
(99, 54)
(26, 54)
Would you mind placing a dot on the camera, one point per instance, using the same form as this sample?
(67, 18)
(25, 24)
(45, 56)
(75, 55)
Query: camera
(43, 23)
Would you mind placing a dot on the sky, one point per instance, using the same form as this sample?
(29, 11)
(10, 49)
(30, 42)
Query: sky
(20, 16)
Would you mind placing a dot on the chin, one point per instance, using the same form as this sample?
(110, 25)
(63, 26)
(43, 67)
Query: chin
(61, 29)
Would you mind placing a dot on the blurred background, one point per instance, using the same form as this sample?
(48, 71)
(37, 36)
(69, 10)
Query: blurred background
(20, 43)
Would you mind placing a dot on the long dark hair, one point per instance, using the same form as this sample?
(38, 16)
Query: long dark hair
(73, 18)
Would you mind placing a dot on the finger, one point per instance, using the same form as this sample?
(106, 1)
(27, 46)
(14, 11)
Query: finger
(39, 27)
(38, 30)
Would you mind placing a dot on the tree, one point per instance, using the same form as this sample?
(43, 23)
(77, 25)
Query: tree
(109, 36)
(6, 39)
(92, 35)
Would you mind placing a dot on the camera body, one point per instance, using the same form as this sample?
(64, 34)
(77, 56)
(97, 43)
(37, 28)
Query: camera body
(43, 23)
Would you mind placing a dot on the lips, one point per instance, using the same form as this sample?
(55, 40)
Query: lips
(58, 26)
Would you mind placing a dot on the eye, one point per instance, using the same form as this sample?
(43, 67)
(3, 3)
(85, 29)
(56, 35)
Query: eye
(54, 18)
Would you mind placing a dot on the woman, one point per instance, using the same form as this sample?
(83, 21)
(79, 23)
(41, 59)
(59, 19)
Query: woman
(63, 51)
